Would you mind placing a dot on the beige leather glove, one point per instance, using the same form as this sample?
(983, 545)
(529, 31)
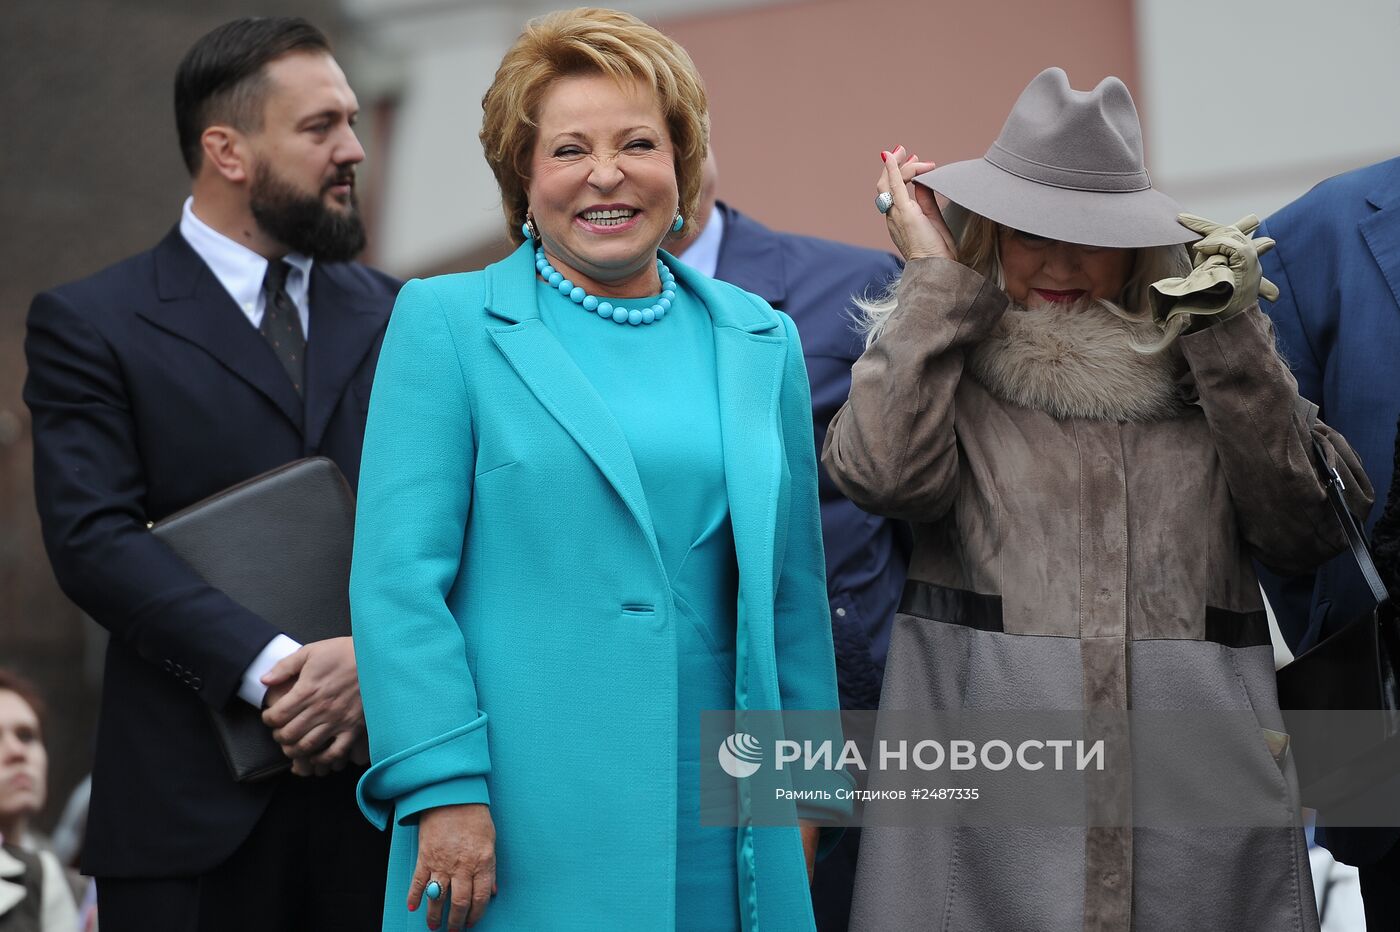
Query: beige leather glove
(1226, 277)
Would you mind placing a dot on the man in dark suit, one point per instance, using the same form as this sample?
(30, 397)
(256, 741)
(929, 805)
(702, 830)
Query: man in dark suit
(814, 281)
(245, 339)
(1337, 319)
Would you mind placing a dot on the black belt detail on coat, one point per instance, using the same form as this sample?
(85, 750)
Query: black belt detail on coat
(1237, 629)
(983, 612)
(952, 606)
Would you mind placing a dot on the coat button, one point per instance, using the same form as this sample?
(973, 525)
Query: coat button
(168, 666)
(197, 683)
(840, 613)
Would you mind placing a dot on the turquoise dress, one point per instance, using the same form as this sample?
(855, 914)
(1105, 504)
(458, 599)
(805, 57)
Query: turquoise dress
(659, 382)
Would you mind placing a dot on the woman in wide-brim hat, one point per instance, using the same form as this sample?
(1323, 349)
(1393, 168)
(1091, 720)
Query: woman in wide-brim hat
(1094, 439)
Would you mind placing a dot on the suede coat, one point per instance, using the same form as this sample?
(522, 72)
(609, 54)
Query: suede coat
(1083, 540)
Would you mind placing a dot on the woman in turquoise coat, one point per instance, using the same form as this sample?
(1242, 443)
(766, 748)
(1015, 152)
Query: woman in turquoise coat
(588, 511)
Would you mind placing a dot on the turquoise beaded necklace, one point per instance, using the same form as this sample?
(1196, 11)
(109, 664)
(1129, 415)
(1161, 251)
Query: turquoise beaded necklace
(604, 309)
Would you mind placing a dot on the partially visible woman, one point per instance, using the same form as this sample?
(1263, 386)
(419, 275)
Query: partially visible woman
(34, 894)
(588, 511)
(1094, 439)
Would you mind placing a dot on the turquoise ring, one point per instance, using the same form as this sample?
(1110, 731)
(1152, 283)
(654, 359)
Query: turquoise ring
(433, 890)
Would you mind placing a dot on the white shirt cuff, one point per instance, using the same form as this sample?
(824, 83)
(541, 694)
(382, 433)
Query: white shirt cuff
(252, 691)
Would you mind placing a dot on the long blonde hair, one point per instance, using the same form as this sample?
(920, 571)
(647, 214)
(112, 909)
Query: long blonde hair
(978, 249)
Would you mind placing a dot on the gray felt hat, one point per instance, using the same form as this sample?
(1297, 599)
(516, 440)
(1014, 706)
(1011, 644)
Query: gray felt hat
(1068, 165)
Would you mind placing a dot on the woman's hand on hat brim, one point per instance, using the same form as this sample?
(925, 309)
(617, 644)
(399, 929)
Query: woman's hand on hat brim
(916, 225)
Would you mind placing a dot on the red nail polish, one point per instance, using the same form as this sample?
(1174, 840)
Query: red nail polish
(884, 156)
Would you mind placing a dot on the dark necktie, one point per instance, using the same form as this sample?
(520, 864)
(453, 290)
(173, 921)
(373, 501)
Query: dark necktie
(281, 324)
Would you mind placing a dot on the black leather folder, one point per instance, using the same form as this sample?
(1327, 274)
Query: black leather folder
(279, 545)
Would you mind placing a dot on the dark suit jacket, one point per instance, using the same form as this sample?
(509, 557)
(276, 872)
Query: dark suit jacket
(1337, 266)
(150, 391)
(813, 281)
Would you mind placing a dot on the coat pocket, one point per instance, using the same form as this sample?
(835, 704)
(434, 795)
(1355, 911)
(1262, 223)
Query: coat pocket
(1267, 741)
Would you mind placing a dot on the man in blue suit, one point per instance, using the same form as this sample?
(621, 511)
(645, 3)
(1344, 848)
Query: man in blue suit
(813, 281)
(1337, 318)
(245, 339)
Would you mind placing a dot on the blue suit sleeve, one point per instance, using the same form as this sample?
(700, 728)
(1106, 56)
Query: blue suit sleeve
(1294, 341)
(427, 733)
(1290, 597)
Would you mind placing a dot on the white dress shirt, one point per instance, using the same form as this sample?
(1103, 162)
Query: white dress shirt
(703, 254)
(241, 272)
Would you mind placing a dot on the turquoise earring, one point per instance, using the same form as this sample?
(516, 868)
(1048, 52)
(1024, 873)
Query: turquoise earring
(678, 224)
(528, 228)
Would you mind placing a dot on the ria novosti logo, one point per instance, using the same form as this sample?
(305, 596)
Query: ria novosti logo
(740, 755)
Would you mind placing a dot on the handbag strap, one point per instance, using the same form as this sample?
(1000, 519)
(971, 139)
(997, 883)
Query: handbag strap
(1356, 539)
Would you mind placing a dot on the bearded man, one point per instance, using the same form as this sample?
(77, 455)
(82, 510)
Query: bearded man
(245, 339)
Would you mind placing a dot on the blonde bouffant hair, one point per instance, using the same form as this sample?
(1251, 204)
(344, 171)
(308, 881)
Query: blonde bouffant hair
(589, 40)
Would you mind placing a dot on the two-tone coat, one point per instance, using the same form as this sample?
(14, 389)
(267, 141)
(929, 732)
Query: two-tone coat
(1083, 540)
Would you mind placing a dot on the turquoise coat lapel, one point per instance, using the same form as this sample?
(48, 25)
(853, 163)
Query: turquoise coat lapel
(750, 347)
(749, 353)
(1381, 231)
(550, 373)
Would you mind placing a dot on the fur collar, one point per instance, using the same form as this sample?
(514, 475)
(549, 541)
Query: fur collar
(1077, 363)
